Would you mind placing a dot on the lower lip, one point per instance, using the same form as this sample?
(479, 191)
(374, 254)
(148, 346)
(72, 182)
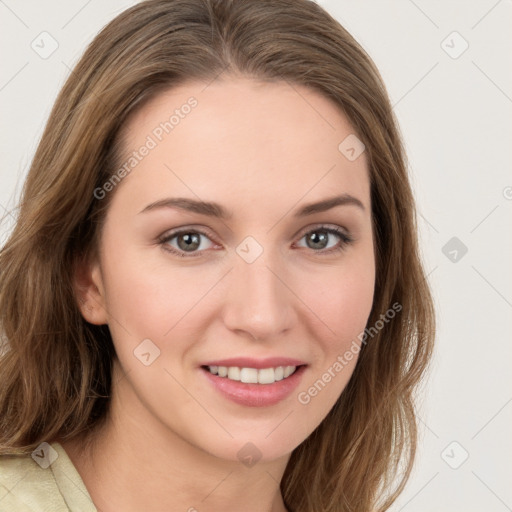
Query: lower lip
(256, 395)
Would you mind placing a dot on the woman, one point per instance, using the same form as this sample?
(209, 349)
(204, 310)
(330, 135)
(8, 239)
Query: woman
(213, 296)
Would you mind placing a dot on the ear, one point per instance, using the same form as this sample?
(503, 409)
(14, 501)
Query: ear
(90, 292)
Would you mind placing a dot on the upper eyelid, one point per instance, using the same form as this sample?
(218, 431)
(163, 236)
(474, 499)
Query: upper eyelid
(187, 229)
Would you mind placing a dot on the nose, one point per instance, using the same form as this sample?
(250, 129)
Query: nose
(258, 303)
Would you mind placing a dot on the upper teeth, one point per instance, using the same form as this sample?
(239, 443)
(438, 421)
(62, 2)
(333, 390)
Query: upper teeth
(253, 375)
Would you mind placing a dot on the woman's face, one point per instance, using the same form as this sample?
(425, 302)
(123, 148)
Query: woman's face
(273, 282)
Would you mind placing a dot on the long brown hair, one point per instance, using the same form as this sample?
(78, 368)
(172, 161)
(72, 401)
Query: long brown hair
(55, 372)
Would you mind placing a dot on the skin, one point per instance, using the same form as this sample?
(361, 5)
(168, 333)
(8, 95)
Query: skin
(262, 150)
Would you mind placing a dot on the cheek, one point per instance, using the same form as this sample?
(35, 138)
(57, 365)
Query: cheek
(343, 305)
(146, 297)
(349, 304)
(341, 302)
(341, 298)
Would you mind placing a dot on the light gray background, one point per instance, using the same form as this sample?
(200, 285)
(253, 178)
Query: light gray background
(455, 115)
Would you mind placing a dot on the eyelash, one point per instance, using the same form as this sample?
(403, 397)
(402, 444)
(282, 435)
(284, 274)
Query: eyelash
(345, 240)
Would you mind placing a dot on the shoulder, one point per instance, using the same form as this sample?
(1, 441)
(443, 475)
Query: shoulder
(26, 486)
(43, 481)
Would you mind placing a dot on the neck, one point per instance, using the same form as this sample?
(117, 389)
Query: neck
(134, 463)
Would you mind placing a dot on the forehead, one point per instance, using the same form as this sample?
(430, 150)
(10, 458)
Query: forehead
(251, 139)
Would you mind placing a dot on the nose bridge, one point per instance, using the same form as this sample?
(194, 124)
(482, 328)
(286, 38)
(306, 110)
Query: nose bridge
(258, 302)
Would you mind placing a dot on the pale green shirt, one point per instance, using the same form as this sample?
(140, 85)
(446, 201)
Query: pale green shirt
(46, 481)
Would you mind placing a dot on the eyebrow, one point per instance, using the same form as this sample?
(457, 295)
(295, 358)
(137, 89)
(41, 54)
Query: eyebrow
(212, 209)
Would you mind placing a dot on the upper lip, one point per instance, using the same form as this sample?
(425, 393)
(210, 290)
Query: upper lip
(249, 362)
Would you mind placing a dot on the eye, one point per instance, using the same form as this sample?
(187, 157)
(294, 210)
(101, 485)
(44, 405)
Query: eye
(189, 242)
(320, 239)
(192, 242)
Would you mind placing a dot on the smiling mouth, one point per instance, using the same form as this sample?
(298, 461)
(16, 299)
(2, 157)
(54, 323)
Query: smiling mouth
(252, 375)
